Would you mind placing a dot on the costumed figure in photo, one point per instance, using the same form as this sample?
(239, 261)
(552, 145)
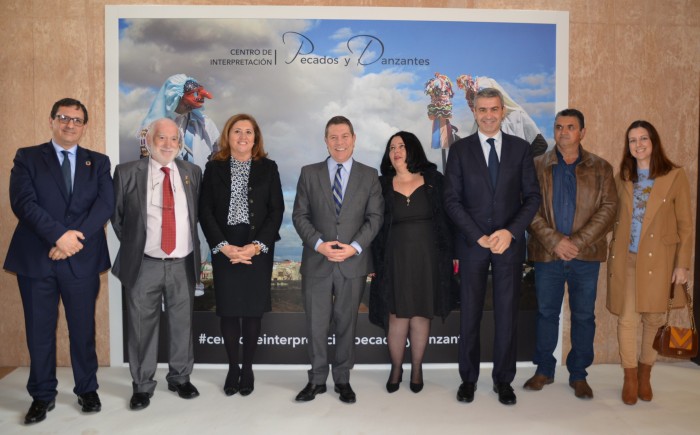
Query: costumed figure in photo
(181, 99)
(517, 122)
(440, 111)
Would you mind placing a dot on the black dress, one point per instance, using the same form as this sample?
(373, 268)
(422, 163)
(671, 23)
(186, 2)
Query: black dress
(436, 243)
(414, 262)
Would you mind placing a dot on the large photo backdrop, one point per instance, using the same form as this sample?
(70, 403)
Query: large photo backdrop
(293, 68)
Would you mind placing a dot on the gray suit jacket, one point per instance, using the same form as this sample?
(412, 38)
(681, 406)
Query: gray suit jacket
(359, 221)
(129, 219)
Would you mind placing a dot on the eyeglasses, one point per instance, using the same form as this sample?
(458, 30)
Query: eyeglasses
(63, 119)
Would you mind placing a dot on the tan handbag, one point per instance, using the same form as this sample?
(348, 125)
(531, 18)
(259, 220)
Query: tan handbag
(674, 341)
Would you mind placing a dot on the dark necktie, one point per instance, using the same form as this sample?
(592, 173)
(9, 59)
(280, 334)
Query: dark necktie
(338, 190)
(65, 170)
(493, 161)
(167, 241)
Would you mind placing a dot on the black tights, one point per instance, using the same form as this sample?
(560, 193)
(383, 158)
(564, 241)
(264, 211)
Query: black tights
(418, 329)
(231, 328)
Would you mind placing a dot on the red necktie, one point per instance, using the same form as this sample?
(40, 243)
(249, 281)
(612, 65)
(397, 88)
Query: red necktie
(167, 241)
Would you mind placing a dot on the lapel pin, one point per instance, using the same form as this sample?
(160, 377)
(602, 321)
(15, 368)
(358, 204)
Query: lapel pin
(88, 163)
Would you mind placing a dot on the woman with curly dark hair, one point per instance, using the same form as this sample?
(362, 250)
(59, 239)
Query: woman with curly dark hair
(412, 256)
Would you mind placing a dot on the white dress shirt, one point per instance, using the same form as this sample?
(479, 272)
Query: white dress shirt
(154, 213)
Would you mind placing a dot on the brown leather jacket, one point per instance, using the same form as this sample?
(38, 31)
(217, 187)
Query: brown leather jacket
(596, 206)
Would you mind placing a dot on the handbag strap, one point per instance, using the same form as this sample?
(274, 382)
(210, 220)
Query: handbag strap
(688, 303)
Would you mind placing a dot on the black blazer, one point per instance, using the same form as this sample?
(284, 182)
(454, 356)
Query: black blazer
(265, 202)
(478, 209)
(381, 290)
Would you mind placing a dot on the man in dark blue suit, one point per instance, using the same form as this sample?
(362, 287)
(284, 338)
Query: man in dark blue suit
(62, 195)
(491, 194)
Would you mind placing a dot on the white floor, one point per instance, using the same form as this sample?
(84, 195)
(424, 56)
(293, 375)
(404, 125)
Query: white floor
(272, 409)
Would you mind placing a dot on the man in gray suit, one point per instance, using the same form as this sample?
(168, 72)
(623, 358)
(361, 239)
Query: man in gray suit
(338, 211)
(155, 219)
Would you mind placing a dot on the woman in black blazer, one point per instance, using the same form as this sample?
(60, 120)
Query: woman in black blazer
(240, 211)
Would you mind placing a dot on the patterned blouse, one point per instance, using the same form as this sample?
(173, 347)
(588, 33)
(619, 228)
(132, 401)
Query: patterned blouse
(238, 204)
(642, 190)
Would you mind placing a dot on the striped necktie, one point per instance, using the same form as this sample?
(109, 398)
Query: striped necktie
(338, 190)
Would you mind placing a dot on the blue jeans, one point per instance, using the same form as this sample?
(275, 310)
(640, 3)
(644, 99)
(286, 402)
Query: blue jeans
(550, 277)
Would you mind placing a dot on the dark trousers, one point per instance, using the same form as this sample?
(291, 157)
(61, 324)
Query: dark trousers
(40, 297)
(582, 280)
(507, 278)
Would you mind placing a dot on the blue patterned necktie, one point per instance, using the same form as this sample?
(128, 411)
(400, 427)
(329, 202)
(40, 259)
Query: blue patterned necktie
(493, 161)
(65, 170)
(338, 190)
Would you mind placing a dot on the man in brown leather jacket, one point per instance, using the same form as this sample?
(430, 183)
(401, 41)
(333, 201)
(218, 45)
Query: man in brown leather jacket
(568, 243)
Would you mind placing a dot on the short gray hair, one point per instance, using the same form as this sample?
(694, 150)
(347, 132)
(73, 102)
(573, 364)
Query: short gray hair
(488, 93)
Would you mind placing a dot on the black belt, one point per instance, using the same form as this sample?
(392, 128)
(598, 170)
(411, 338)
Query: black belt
(160, 259)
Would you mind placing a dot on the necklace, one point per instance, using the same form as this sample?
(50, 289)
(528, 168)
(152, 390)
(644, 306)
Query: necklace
(408, 200)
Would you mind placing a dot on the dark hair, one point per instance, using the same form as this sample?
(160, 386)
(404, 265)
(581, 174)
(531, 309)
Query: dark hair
(336, 120)
(659, 164)
(416, 160)
(258, 151)
(572, 112)
(69, 102)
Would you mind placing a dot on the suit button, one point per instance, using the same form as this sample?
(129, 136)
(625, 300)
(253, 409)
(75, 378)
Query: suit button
(651, 235)
(252, 214)
(650, 272)
(488, 220)
(650, 254)
(249, 188)
(252, 227)
(612, 256)
(250, 201)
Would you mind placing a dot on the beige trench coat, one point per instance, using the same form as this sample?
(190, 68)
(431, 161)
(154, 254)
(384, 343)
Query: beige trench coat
(665, 243)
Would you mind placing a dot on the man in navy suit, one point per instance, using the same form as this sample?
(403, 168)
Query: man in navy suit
(62, 196)
(491, 194)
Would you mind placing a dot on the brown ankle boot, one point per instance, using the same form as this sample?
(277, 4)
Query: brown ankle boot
(629, 389)
(644, 378)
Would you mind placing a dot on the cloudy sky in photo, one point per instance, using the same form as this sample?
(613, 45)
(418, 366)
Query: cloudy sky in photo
(293, 98)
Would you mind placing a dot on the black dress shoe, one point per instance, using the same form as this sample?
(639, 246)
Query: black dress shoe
(37, 412)
(90, 402)
(465, 393)
(309, 392)
(247, 382)
(505, 393)
(140, 401)
(393, 387)
(186, 390)
(346, 393)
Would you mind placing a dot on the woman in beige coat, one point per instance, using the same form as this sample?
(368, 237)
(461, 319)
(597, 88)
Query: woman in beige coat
(650, 249)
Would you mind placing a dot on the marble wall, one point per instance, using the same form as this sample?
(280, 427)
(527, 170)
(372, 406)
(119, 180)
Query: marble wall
(629, 59)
